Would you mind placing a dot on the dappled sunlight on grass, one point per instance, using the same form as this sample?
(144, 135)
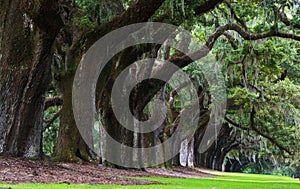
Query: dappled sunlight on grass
(248, 177)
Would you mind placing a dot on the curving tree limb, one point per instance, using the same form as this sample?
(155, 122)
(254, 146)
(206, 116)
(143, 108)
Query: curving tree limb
(142, 11)
(276, 143)
(50, 121)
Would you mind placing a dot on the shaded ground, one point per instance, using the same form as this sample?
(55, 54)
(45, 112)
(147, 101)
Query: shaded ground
(15, 170)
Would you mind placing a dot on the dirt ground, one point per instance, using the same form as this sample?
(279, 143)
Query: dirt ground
(16, 170)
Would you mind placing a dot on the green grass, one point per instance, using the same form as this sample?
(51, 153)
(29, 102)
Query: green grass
(222, 181)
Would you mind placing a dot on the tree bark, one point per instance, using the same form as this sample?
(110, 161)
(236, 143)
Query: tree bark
(25, 61)
(140, 11)
(70, 145)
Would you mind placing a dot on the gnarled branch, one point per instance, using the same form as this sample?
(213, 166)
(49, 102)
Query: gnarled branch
(53, 101)
(139, 12)
(207, 6)
(184, 60)
(50, 121)
(273, 141)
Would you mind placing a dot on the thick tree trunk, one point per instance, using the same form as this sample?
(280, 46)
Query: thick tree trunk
(25, 58)
(187, 153)
(176, 160)
(70, 145)
(141, 11)
(213, 158)
(112, 127)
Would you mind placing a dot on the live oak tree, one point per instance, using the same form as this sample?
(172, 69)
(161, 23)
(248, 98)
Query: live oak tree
(72, 148)
(28, 30)
(82, 36)
(232, 31)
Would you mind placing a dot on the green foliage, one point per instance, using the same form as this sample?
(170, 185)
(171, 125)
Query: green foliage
(285, 171)
(50, 133)
(85, 21)
(262, 75)
(96, 13)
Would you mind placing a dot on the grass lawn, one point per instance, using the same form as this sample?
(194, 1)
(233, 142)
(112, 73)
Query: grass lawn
(222, 181)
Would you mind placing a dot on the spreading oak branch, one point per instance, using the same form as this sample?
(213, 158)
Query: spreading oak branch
(184, 60)
(256, 130)
(50, 121)
(283, 18)
(142, 11)
(206, 6)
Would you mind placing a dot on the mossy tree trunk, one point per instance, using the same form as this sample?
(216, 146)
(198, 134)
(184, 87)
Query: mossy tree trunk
(25, 59)
(70, 146)
(67, 148)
